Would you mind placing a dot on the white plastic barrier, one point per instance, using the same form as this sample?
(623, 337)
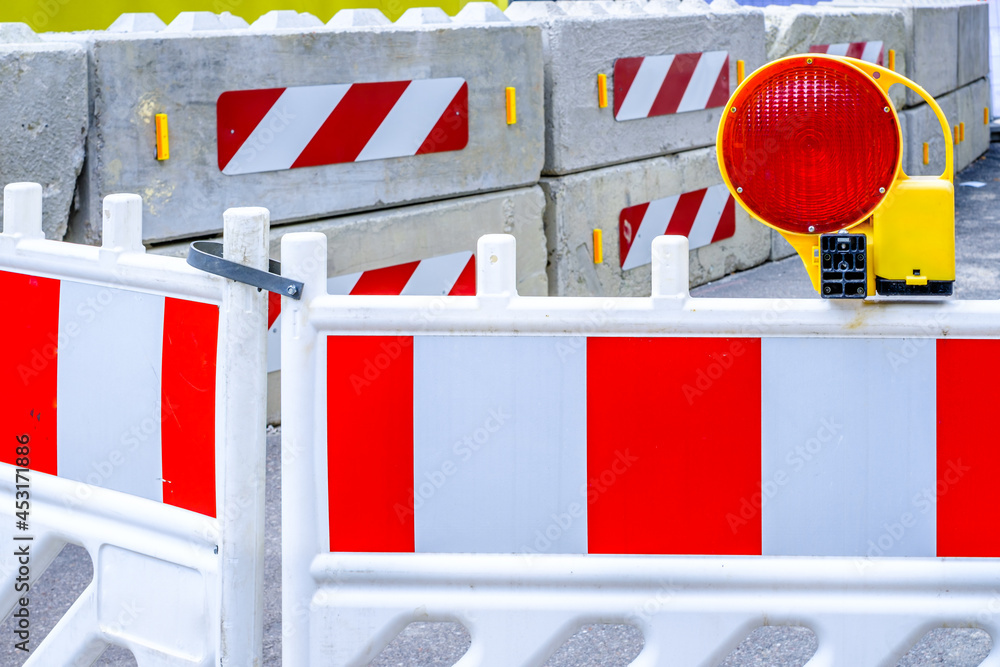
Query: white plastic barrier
(133, 416)
(694, 467)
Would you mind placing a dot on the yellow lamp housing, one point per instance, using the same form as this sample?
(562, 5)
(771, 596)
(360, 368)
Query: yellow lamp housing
(811, 146)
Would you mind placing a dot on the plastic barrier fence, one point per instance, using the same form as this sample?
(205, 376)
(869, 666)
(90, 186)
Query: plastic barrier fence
(132, 425)
(695, 467)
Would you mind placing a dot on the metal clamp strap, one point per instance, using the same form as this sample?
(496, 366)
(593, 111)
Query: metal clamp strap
(207, 256)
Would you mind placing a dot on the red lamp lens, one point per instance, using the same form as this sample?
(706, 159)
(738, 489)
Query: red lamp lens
(811, 145)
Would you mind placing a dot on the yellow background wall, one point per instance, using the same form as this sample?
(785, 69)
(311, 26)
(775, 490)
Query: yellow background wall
(68, 15)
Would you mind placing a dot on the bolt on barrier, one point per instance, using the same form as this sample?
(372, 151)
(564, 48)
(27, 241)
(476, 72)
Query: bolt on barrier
(693, 467)
(133, 426)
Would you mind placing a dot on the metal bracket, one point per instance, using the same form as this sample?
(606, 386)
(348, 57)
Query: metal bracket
(207, 256)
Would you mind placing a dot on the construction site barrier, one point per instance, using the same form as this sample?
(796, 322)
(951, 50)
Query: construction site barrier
(133, 426)
(694, 467)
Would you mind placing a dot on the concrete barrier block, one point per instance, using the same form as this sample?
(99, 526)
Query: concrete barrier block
(139, 22)
(973, 42)
(780, 248)
(480, 12)
(232, 22)
(864, 32)
(579, 203)
(279, 19)
(582, 135)
(922, 127)
(423, 16)
(183, 75)
(197, 21)
(352, 18)
(17, 33)
(536, 10)
(972, 99)
(582, 8)
(43, 122)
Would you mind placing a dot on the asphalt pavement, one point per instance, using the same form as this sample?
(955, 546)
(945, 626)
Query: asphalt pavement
(433, 644)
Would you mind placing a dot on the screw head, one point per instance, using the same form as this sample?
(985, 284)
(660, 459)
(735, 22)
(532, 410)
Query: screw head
(826, 289)
(290, 290)
(861, 290)
(885, 109)
(733, 110)
(881, 191)
(811, 228)
(809, 61)
(739, 189)
(876, 75)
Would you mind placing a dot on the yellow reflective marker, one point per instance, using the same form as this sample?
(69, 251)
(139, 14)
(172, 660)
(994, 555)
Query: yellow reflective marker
(162, 137)
(927, 153)
(955, 134)
(892, 60)
(602, 90)
(961, 131)
(598, 247)
(741, 71)
(986, 115)
(511, 106)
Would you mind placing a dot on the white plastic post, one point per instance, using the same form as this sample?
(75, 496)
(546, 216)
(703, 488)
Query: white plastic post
(122, 231)
(241, 424)
(670, 267)
(304, 533)
(22, 210)
(496, 266)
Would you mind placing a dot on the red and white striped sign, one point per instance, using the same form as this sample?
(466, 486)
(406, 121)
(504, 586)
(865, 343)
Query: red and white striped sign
(660, 85)
(306, 126)
(112, 387)
(445, 275)
(704, 216)
(511, 444)
(872, 52)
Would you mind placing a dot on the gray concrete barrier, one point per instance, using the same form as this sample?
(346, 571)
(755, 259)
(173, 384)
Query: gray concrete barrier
(182, 73)
(964, 105)
(579, 203)
(43, 119)
(856, 31)
(973, 42)
(579, 134)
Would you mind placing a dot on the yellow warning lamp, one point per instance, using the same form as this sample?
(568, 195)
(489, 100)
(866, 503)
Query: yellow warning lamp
(810, 145)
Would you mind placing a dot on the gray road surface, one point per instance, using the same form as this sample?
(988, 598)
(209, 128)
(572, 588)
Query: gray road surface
(434, 644)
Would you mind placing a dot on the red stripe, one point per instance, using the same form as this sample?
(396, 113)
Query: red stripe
(675, 84)
(678, 421)
(720, 94)
(727, 222)
(629, 221)
(855, 50)
(190, 337)
(238, 113)
(370, 442)
(685, 213)
(819, 48)
(273, 308)
(28, 369)
(451, 132)
(625, 71)
(466, 283)
(968, 459)
(390, 280)
(348, 129)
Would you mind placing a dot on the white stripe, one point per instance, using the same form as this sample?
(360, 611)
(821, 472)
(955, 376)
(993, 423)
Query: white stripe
(286, 129)
(848, 446)
(653, 224)
(838, 49)
(500, 444)
(342, 285)
(438, 275)
(706, 74)
(871, 52)
(108, 391)
(645, 87)
(709, 213)
(412, 118)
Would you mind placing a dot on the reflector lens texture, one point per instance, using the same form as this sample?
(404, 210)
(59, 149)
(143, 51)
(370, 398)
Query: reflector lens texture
(810, 145)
